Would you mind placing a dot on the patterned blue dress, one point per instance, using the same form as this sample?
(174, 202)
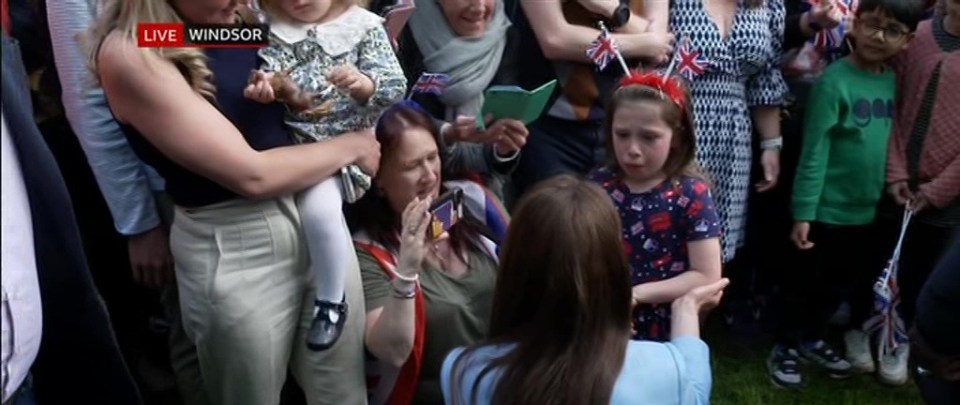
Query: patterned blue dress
(744, 71)
(657, 225)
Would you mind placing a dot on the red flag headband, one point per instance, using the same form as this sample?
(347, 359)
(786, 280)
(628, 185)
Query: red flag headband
(669, 87)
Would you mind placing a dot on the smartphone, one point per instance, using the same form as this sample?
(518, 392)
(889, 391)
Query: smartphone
(446, 212)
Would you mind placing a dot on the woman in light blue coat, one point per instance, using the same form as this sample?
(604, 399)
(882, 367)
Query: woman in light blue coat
(560, 327)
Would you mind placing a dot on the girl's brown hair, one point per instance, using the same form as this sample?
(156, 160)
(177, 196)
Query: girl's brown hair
(676, 113)
(562, 298)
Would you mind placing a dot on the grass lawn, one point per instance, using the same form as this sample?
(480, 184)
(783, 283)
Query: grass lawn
(740, 378)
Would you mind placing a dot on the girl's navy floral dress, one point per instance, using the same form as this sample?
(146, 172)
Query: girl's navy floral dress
(657, 224)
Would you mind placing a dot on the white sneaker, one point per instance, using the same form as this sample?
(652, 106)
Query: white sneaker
(858, 351)
(893, 368)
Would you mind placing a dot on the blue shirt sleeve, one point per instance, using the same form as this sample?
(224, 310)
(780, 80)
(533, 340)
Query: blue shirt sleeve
(123, 179)
(470, 369)
(697, 380)
(445, 373)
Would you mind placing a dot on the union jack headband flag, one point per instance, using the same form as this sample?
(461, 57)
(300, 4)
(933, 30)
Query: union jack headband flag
(433, 83)
(603, 50)
(690, 62)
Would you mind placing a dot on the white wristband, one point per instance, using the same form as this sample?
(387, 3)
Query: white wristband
(406, 279)
(775, 143)
(510, 157)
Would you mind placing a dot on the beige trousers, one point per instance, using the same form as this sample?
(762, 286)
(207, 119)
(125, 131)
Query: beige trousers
(246, 300)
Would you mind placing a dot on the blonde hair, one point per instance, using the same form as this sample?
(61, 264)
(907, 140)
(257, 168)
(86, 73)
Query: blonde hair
(123, 16)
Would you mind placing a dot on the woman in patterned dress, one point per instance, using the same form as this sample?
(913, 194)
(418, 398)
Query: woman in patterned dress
(741, 88)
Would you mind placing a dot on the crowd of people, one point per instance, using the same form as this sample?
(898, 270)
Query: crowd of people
(271, 211)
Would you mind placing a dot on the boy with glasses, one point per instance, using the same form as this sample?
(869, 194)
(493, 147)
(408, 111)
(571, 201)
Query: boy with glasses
(839, 183)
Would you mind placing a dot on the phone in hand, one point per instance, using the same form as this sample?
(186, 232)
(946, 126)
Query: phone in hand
(445, 212)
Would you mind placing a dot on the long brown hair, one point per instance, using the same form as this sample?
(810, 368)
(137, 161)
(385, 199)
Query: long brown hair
(562, 297)
(683, 149)
(373, 213)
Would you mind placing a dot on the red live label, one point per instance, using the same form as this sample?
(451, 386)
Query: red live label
(160, 35)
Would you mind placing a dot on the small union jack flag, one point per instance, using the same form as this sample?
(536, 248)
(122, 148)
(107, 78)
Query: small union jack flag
(690, 62)
(886, 321)
(830, 39)
(603, 50)
(432, 83)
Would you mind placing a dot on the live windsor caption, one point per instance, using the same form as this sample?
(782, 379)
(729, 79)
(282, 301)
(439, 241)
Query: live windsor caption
(176, 35)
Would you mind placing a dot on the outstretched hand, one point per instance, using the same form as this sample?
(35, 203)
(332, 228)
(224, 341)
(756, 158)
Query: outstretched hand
(705, 297)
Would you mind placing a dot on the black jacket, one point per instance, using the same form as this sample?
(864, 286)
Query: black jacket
(792, 32)
(79, 360)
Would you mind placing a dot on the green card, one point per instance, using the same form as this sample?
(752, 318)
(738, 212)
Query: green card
(516, 103)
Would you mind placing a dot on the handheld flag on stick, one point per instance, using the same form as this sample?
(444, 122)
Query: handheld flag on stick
(886, 292)
(605, 49)
(832, 38)
(433, 83)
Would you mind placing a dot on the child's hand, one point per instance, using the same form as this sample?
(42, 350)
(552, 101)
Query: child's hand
(918, 203)
(259, 88)
(900, 191)
(800, 235)
(348, 78)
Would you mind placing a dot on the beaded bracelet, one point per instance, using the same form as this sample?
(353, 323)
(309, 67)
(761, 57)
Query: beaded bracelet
(404, 293)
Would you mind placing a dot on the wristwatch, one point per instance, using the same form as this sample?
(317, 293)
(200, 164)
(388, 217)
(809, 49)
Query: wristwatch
(621, 15)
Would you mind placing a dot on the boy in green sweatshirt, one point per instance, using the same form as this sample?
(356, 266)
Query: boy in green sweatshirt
(839, 182)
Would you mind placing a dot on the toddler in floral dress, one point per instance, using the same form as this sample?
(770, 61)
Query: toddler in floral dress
(339, 55)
